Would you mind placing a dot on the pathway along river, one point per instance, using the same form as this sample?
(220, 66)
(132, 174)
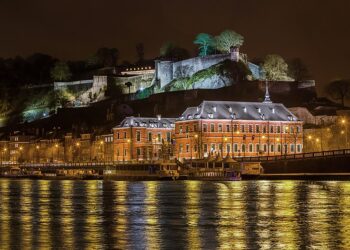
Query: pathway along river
(174, 215)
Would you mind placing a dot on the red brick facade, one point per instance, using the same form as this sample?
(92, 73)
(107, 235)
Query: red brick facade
(142, 143)
(198, 138)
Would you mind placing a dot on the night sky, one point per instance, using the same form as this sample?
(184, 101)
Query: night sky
(316, 31)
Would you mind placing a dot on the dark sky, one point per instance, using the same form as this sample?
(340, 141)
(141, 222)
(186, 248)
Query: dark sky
(314, 30)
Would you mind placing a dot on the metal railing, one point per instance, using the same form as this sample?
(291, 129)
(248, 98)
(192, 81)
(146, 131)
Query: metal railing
(322, 154)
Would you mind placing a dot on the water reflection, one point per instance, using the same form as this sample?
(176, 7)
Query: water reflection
(180, 215)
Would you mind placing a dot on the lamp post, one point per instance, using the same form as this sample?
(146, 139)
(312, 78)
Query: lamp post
(20, 152)
(37, 153)
(286, 129)
(197, 144)
(344, 123)
(57, 152)
(102, 150)
(223, 146)
(78, 148)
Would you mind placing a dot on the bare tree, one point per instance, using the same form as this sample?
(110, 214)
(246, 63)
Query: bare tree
(339, 90)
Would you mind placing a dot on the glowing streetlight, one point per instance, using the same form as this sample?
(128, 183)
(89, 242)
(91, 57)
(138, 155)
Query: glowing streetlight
(77, 144)
(196, 136)
(101, 142)
(225, 139)
(309, 137)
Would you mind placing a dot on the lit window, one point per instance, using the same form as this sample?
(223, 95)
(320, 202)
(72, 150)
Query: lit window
(251, 147)
(205, 128)
(242, 129)
(168, 136)
(235, 147)
(228, 148)
(138, 136)
(220, 128)
(250, 128)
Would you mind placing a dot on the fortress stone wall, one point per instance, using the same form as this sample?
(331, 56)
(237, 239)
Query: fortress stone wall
(166, 71)
(138, 82)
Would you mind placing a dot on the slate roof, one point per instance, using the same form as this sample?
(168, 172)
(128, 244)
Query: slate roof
(148, 122)
(239, 111)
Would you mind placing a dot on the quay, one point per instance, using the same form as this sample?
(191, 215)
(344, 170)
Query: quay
(318, 165)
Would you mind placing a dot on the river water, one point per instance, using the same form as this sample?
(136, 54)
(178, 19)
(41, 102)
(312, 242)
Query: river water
(43, 214)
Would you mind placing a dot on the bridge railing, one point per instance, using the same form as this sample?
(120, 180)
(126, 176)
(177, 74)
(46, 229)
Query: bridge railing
(330, 153)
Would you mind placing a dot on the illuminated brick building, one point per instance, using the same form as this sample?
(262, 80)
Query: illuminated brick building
(238, 129)
(140, 138)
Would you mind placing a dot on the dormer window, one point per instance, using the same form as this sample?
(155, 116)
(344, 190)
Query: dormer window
(210, 115)
(259, 110)
(245, 109)
(230, 109)
(214, 109)
(273, 110)
(233, 116)
(263, 116)
(197, 109)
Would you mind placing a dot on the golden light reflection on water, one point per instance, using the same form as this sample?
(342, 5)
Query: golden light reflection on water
(44, 215)
(285, 215)
(26, 213)
(93, 217)
(317, 216)
(344, 205)
(193, 213)
(264, 212)
(151, 215)
(237, 215)
(121, 219)
(67, 220)
(5, 214)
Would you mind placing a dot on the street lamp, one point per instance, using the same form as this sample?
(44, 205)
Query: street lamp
(285, 140)
(78, 147)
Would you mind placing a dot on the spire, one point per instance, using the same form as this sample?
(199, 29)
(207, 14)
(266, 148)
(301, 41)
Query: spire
(267, 95)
